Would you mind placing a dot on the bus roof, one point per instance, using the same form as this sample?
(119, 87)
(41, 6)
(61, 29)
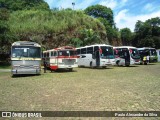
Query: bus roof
(94, 45)
(144, 48)
(65, 48)
(25, 43)
(124, 47)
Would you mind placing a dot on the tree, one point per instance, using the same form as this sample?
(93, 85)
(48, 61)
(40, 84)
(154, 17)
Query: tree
(99, 11)
(4, 30)
(56, 28)
(147, 33)
(14, 5)
(126, 36)
(105, 15)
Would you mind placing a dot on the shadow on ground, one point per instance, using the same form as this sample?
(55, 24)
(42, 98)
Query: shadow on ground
(24, 75)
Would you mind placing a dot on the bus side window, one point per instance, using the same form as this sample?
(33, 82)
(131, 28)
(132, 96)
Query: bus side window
(52, 53)
(90, 50)
(47, 54)
(96, 48)
(83, 51)
(78, 51)
(83, 56)
(55, 53)
(44, 55)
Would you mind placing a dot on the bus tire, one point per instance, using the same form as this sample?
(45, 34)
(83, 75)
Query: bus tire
(70, 69)
(117, 62)
(104, 67)
(91, 65)
(13, 75)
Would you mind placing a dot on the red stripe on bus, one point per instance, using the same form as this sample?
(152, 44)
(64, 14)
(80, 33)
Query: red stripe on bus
(54, 67)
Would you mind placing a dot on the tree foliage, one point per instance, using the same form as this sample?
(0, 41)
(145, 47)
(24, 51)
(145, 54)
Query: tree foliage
(5, 35)
(126, 36)
(105, 15)
(56, 28)
(14, 5)
(147, 33)
(99, 11)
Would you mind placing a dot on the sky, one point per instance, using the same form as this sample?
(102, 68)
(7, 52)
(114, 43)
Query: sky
(126, 12)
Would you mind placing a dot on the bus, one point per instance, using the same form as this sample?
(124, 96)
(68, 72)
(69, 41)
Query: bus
(126, 55)
(25, 58)
(61, 58)
(148, 55)
(99, 55)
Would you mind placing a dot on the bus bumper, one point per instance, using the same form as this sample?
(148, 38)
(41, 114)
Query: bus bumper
(67, 66)
(25, 71)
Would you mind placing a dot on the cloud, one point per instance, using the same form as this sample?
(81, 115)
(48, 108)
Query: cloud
(121, 16)
(149, 7)
(51, 3)
(125, 19)
(65, 4)
(109, 3)
(113, 4)
(84, 4)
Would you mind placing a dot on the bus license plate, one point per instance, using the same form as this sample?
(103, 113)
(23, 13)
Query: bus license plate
(69, 66)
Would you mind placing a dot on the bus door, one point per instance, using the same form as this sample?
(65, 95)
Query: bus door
(54, 60)
(126, 56)
(97, 56)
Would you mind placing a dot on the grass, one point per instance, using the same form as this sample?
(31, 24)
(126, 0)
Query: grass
(133, 88)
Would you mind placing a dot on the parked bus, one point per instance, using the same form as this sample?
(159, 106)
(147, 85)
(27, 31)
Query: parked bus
(148, 55)
(99, 55)
(126, 55)
(25, 58)
(61, 58)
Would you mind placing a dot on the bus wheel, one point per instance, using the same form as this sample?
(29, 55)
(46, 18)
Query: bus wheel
(104, 67)
(70, 69)
(12, 75)
(118, 63)
(91, 65)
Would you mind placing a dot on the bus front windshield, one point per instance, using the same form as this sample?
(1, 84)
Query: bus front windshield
(134, 53)
(67, 53)
(26, 51)
(107, 52)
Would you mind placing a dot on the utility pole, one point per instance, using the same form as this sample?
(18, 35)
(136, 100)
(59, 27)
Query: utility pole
(73, 4)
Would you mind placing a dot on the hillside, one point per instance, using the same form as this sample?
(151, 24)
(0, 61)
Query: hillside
(56, 28)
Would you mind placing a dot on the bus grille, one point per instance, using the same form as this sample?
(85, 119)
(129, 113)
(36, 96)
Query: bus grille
(68, 61)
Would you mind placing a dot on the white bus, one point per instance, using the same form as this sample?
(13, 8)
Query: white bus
(147, 52)
(126, 55)
(25, 58)
(61, 58)
(99, 55)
